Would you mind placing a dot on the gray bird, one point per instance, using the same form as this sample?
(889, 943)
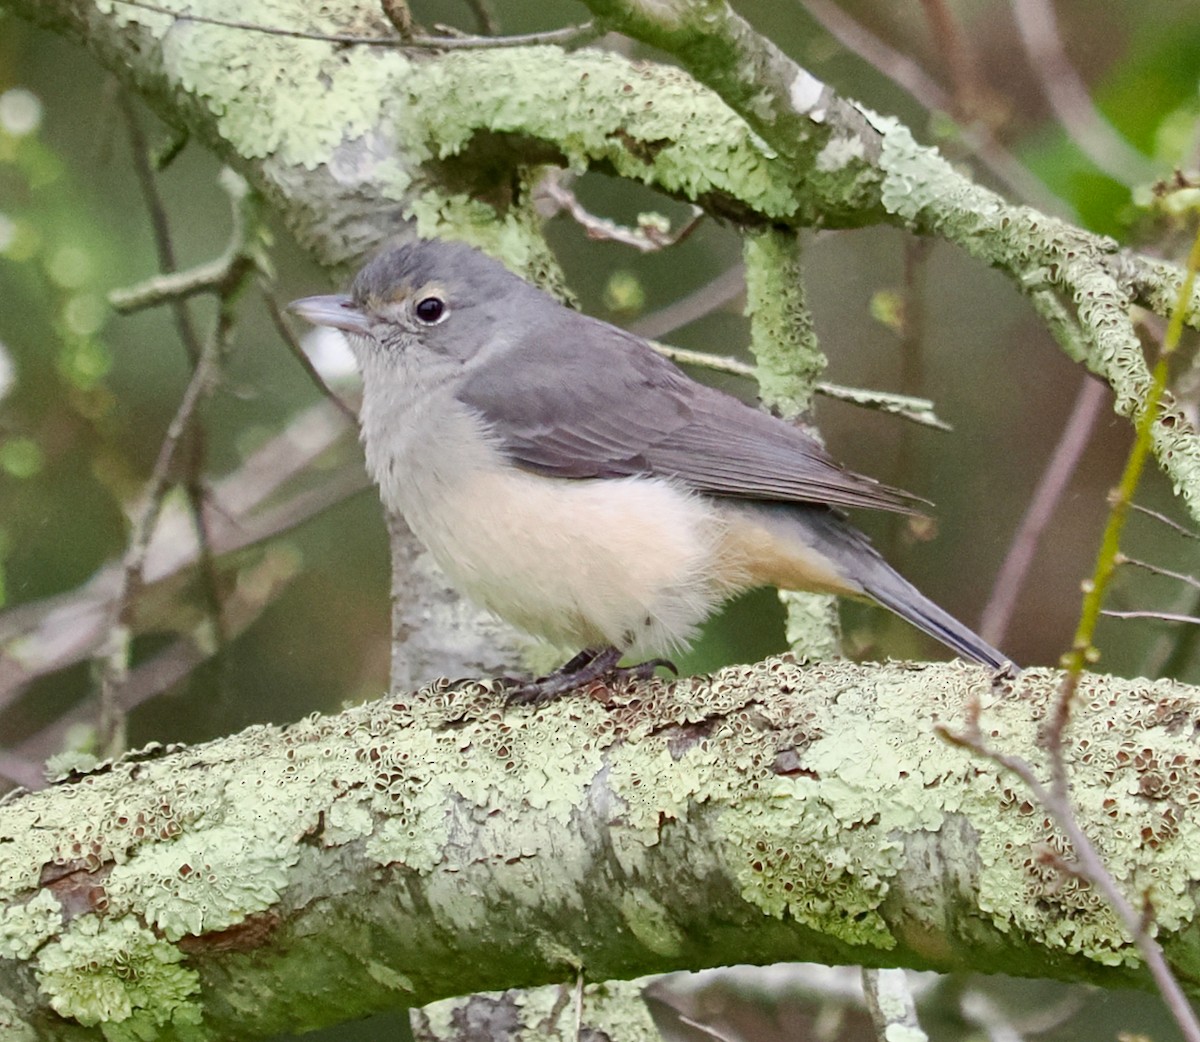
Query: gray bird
(576, 483)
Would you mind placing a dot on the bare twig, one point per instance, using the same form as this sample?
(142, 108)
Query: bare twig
(1171, 651)
(1183, 577)
(293, 345)
(1069, 97)
(579, 1005)
(649, 236)
(1055, 800)
(485, 18)
(22, 770)
(703, 360)
(722, 291)
(214, 277)
(891, 1005)
(960, 62)
(114, 652)
(192, 483)
(266, 580)
(915, 410)
(912, 365)
(1161, 616)
(908, 75)
(159, 224)
(397, 12)
(1082, 650)
(1164, 520)
(1052, 484)
(569, 36)
(113, 655)
(59, 631)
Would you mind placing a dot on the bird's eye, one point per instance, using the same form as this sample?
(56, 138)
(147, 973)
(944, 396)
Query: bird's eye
(430, 310)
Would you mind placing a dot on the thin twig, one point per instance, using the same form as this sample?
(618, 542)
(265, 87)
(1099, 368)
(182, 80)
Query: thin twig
(485, 18)
(1183, 577)
(193, 484)
(1161, 616)
(246, 603)
(171, 287)
(1163, 519)
(569, 36)
(649, 236)
(22, 770)
(397, 12)
(1082, 650)
(293, 345)
(960, 61)
(912, 370)
(196, 491)
(113, 655)
(1055, 797)
(60, 631)
(908, 75)
(703, 360)
(891, 1005)
(722, 291)
(113, 658)
(159, 224)
(915, 410)
(1170, 653)
(1070, 99)
(1063, 462)
(579, 1005)
(1091, 866)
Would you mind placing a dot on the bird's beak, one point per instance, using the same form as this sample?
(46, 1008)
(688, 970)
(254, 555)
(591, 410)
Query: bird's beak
(337, 310)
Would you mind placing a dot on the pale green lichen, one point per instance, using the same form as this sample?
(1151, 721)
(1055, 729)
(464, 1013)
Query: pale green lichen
(919, 182)
(294, 99)
(24, 926)
(472, 767)
(376, 115)
(650, 923)
(207, 880)
(115, 972)
(782, 337)
(812, 628)
(820, 809)
(13, 1027)
(789, 362)
(513, 237)
(612, 110)
(389, 977)
(840, 151)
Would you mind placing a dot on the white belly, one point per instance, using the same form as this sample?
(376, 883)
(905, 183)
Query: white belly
(581, 563)
(637, 563)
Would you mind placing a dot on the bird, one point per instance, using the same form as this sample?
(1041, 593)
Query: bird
(574, 481)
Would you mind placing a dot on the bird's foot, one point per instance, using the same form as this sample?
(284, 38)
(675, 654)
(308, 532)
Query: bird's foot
(589, 665)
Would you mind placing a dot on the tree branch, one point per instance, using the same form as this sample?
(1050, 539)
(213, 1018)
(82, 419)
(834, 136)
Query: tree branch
(436, 844)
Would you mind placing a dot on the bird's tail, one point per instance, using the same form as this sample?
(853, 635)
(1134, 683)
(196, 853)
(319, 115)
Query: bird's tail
(851, 551)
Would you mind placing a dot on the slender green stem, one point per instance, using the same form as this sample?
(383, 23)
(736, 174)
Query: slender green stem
(1083, 651)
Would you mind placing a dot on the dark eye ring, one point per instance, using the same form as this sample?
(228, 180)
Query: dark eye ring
(430, 310)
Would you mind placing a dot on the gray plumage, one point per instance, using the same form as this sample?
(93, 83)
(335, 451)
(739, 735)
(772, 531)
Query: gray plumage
(580, 484)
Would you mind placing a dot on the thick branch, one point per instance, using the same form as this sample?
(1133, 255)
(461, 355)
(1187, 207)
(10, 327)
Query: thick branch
(438, 844)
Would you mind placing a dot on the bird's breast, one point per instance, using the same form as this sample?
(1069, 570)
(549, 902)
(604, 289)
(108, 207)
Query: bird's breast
(580, 562)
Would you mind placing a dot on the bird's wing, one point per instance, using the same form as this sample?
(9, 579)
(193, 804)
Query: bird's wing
(578, 398)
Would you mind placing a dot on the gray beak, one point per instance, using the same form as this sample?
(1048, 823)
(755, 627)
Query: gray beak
(336, 310)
